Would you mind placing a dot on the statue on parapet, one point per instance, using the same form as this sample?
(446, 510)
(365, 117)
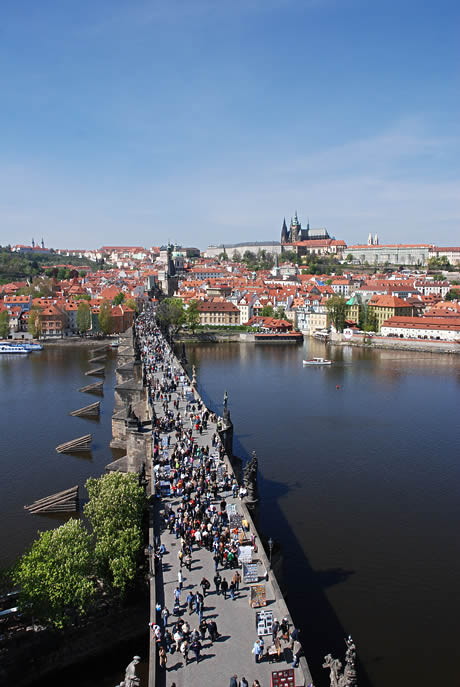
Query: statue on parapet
(348, 677)
(131, 679)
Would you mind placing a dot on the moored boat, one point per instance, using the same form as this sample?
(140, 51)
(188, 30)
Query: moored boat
(12, 348)
(317, 361)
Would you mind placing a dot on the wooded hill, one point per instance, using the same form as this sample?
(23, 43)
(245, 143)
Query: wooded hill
(22, 266)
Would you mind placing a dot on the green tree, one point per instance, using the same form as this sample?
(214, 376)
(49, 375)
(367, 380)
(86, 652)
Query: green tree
(34, 325)
(115, 511)
(83, 317)
(82, 274)
(236, 256)
(279, 313)
(337, 310)
(193, 315)
(4, 324)
(349, 258)
(119, 298)
(105, 317)
(453, 295)
(267, 311)
(131, 303)
(171, 315)
(53, 575)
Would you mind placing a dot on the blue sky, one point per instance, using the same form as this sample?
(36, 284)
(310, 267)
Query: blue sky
(199, 121)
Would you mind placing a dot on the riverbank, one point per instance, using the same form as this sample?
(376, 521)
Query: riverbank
(362, 341)
(384, 342)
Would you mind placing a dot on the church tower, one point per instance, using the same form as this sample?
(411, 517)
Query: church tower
(284, 232)
(295, 229)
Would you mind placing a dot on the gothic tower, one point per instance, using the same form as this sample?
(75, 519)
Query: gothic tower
(284, 232)
(295, 229)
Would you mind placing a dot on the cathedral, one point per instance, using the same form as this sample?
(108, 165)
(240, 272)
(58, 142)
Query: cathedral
(296, 233)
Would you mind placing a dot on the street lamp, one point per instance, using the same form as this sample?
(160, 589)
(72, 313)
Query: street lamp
(270, 547)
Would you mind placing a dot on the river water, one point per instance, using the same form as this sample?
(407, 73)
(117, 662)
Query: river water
(359, 486)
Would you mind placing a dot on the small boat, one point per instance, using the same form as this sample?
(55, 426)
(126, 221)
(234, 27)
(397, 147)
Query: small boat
(12, 348)
(317, 361)
(115, 344)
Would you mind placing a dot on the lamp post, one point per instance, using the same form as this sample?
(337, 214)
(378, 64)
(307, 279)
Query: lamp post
(270, 547)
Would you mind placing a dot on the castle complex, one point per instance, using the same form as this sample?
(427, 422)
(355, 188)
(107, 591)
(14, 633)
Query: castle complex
(296, 233)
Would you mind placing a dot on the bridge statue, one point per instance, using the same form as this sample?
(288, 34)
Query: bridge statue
(348, 677)
(131, 679)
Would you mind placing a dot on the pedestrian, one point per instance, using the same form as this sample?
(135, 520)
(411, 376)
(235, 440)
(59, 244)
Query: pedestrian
(295, 636)
(217, 582)
(296, 652)
(205, 585)
(164, 616)
(224, 587)
(177, 592)
(163, 657)
(232, 590)
(190, 601)
(188, 562)
(237, 580)
(179, 579)
(244, 682)
(275, 629)
(180, 556)
(196, 648)
(203, 627)
(234, 681)
(256, 683)
(212, 629)
(257, 650)
(184, 651)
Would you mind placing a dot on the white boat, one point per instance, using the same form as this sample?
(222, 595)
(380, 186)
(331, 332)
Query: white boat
(115, 344)
(12, 348)
(30, 346)
(317, 361)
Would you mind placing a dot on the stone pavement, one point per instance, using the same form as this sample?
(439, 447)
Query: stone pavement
(236, 620)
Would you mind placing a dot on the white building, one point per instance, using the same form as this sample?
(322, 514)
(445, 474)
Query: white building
(435, 328)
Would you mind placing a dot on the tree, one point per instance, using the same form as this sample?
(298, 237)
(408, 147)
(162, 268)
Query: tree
(236, 256)
(337, 310)
(115, 511)
(4, 324)
(83, 317)
(53, 575)
(267, 311)
(119, 298)
(131, 303)
(193, 315)
(82, 274)
(349, 258)
(105, 317)
(453, 295)
(171, 315)
(34, 325)
(279, 313)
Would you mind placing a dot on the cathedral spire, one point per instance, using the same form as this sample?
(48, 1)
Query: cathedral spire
(284, 232)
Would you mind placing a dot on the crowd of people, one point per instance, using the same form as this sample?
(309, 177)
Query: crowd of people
(195, 477)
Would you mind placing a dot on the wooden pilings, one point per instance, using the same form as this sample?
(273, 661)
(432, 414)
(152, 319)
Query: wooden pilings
(90, 411)
(96, 388)
(81, 444)
(98, 358)
(63, 502)
(97, 372)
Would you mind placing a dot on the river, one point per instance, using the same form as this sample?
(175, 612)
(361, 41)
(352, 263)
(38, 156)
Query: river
(358, 485)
